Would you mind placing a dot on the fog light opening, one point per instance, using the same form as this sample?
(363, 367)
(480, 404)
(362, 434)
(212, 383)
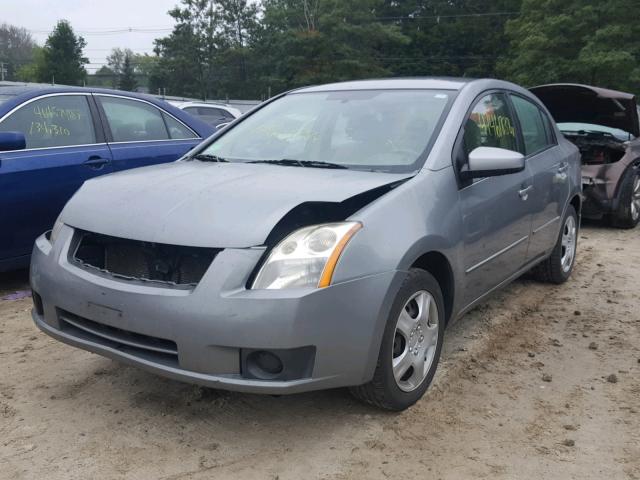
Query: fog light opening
(263, 364)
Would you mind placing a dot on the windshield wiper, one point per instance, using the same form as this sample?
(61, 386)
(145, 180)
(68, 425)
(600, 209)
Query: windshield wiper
(205, 157)
(300, 163)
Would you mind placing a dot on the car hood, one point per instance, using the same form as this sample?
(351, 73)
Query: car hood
(587, 104)
(205, 204)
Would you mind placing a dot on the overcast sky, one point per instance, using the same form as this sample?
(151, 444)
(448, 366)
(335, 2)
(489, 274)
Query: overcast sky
(93, 19)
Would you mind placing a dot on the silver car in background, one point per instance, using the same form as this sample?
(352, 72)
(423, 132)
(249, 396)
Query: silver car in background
(214, 114)
(326, 239)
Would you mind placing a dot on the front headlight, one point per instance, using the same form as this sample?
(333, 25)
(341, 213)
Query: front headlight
(306, 258)
(55, 231)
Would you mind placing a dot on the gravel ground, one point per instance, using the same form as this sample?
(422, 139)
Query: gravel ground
(538, 382)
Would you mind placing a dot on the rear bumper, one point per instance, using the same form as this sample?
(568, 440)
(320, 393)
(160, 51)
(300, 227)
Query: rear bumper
(212, 326)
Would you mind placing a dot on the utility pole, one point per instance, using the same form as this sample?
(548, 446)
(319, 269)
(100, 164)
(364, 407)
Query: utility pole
(3, 71)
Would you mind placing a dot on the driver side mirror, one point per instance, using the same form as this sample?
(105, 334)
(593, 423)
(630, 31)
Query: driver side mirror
(492, 162)
(12, 141)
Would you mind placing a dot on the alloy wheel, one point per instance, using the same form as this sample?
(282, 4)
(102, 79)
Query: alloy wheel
(635, 199)
(415, 340)
(569, 237)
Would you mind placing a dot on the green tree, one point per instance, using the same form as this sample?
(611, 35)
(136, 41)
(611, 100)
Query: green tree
(103, 77)
(315, 41)
(583, 41)
(127, 80)
(449, 38)
(187, 64)
(62, 57)
(17, 49)
(237, 24)
(115, 61)
(28, 72)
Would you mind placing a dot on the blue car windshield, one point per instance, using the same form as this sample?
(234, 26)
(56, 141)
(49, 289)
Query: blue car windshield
(380, 130)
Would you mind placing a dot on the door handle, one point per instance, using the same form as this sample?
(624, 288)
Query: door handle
(96, 163)
(524, 193)
(563, 168)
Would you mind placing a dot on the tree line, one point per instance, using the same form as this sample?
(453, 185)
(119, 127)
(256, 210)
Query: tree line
(254, 49)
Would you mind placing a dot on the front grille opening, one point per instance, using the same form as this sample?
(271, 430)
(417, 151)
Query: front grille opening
(145, 261)
(144, 346)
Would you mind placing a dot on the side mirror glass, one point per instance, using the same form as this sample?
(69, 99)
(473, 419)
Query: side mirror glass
(12, 141)
(491, 162)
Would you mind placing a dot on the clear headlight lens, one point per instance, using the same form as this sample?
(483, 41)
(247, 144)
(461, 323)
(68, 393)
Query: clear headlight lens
(306, 258)
(55, 231)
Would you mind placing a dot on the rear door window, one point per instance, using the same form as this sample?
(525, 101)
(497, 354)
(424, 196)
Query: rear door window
(133, 120)
(53, 121)
(532, 124)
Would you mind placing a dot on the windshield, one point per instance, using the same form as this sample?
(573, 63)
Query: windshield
(593, 128)
(382, 130)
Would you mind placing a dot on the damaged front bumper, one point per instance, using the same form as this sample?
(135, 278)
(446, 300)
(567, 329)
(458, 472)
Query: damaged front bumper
(599, 183)
(217, 333)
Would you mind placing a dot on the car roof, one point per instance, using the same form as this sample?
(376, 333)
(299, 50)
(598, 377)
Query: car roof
(436, 83)
(24, 91)
(201, 104)
(17, 88)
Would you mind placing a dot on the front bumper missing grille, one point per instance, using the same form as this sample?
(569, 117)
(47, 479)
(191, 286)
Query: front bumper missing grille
(125, 259)
(218, 325)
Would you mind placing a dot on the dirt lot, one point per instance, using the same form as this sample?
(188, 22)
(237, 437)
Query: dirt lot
(539, 382)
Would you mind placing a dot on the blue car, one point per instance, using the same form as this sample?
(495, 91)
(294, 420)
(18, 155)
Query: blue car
(52, 139)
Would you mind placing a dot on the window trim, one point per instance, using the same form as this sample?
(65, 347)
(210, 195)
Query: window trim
(109, 134)
(551, 142)
(99, 133)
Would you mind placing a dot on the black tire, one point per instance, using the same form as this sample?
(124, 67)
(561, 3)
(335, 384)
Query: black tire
(383, 391)
(551, 270)
(625, 216)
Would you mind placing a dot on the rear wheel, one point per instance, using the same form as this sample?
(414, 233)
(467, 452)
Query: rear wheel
(627, 215)
(411, 345)
(558, 267)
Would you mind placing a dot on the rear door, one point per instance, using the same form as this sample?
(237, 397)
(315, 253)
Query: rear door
(495, 211)
(550, 178)
(64, 147)
(140, 134)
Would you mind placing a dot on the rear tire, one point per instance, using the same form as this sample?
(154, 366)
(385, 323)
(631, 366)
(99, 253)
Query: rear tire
(411, 345)
(558, 267)
(627, 215)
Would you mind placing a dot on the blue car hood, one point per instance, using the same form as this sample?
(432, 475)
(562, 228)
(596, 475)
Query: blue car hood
(204, 204)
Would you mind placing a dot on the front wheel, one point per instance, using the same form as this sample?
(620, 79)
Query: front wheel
(411, 345)
(627, 215)
(558, 267)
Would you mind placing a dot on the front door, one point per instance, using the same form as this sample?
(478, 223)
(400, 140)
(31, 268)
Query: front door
(495, 211)
(64, 147)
